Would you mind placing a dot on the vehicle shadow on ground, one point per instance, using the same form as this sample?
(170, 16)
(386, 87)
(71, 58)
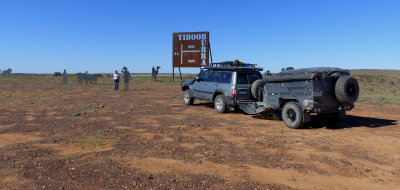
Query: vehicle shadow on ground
(360, 121)
(348, 122)
(204, 104)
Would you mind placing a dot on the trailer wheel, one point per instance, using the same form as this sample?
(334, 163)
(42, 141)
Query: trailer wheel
(347, 89)
(292, 115)
(256, 89)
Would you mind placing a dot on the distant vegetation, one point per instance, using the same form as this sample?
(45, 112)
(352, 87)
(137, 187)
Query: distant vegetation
(57, 74)
(379, 86)
(376, 72)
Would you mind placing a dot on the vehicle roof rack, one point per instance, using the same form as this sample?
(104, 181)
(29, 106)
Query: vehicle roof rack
(232, 65)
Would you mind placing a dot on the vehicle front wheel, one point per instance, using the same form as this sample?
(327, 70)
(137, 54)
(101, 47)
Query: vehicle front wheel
(188, 97)
(292, 115)
(220, 104)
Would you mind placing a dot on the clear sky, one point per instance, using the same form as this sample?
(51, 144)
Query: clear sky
(44, 36)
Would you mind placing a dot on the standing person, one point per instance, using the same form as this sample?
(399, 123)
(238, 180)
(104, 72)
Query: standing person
(65, 79)
(116, 80)
(86, 77)
(127, 76)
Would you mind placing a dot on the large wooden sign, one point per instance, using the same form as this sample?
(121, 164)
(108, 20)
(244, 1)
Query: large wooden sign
(190, 49)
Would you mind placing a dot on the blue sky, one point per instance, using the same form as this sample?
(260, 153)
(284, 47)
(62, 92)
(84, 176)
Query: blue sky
(44, 36)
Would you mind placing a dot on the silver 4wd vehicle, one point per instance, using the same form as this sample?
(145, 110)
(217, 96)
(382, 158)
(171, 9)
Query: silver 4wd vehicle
(223, 84)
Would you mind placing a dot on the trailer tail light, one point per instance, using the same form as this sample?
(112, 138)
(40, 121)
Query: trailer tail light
(316, 110)
(234, 93)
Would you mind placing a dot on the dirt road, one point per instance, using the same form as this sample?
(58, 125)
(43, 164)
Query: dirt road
(79, 136)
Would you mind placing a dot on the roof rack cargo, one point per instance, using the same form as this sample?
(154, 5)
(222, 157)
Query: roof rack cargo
(232, 65)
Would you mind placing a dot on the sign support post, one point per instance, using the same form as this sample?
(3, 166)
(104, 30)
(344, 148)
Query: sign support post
(180, 74)
(173, 75)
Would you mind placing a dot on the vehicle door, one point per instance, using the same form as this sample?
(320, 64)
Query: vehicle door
(200, 85)
(214, 84)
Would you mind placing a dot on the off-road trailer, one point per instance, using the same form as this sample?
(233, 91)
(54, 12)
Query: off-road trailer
(294, 95)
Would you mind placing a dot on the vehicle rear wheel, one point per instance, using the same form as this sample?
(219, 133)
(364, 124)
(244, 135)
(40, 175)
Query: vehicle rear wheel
(292, 115)
(256, 89)
(220, 104)
(188, 97)
(347, 89)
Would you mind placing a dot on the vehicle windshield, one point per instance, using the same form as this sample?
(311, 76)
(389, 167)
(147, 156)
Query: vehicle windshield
(247, 77)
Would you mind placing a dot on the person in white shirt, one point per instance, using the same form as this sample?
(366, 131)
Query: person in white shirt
(116, 80)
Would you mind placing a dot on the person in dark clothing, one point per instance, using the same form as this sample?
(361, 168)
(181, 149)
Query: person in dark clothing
(127, 77)
(65, 79)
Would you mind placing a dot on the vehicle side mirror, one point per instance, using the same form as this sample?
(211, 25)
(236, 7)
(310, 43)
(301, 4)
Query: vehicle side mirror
(199, 79)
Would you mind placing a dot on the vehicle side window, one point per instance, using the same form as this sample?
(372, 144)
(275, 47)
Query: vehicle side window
(205, 76)
(226, 77)
(216, 77)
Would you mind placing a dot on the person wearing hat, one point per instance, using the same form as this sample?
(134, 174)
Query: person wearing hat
(127, 77)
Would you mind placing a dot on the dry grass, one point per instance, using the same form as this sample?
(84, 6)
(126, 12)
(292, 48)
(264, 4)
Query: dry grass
(379, 86)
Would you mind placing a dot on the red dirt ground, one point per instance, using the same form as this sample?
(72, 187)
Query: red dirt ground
(145, 138)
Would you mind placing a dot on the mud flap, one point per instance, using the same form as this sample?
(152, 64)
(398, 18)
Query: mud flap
(306, 117)
(251, 107)
(342, 114)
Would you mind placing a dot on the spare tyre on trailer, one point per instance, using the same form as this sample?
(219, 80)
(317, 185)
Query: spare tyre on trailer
(347, 89)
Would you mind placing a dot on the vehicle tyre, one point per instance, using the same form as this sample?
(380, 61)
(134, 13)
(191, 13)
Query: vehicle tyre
(277, 115)
(220, 104)
(188, 97)
(292, 115)
(256, 89)
(347, 89)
